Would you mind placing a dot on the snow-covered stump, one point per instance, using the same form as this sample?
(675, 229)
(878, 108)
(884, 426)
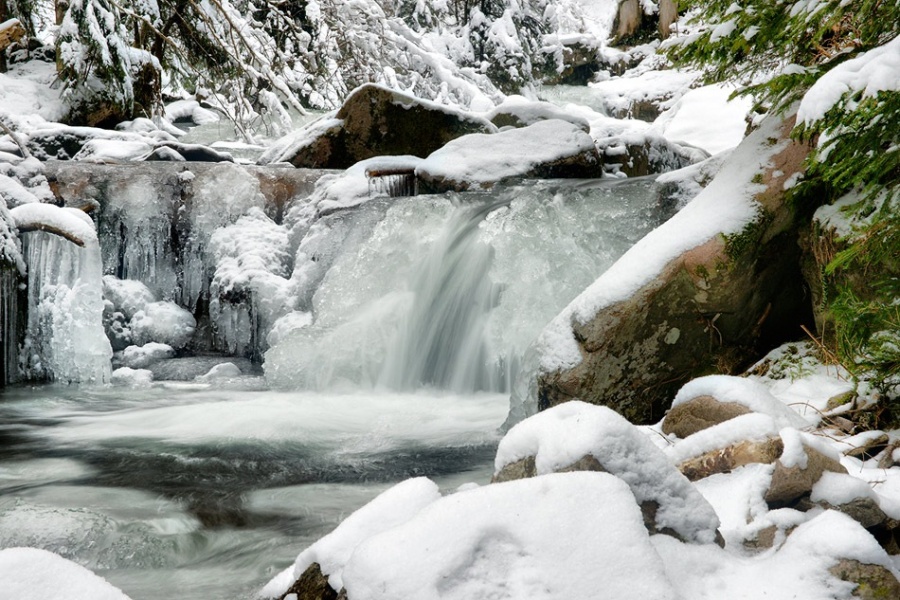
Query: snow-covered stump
(708, 290)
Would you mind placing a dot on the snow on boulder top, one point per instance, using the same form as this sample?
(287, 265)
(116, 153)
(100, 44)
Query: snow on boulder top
(389, 509)
(568, 535)
(725, 206)
(70, 223)
(871, 72)
(560, 436)
(283, 149)
(481, 159)
(743, 391)
(33, 574)
(752, 426)
(519, 111)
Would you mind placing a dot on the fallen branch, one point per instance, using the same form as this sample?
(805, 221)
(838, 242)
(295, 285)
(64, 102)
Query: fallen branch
(34, 226)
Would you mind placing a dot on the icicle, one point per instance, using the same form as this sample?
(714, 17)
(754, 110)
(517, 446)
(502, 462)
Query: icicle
(64, 337)
(393, 183)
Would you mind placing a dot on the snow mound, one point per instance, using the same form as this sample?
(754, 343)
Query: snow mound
(531, 538)
(389, 509)
(752, 426)
(519, 111)
(32, 574)
(560, 436)
(163, 322)
(688, 119)
(138, 357)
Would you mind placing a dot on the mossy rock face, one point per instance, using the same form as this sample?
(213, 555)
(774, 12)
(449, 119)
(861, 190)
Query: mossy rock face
(376, 121)
(714, 309)
(874, 582)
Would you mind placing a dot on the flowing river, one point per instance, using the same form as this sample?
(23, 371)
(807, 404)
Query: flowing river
(194, 490)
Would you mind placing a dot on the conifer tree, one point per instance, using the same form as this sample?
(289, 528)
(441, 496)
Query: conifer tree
(838, 61)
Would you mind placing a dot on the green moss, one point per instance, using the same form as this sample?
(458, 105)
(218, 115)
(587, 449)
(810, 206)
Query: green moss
(739, 245)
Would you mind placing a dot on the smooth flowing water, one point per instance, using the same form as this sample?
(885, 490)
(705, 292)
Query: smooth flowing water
(422, 309)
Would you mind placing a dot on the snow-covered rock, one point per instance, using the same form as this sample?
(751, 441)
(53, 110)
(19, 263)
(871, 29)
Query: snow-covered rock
(713, 399)
(375, 121)
(546, 149)
(523, 539)
(32, 574)
(580, 436)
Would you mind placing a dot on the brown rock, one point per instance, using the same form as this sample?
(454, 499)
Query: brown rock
(730, 458)
(312, 585)
(715, 308)
(873, 582)
(521, 469)
(376, 121)
(791, 483)
(700, 413)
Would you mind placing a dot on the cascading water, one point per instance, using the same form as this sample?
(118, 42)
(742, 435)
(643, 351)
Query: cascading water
(449, 291)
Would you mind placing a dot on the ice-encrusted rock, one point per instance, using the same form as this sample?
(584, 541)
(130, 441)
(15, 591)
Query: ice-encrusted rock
(163, 322)
(581, 436)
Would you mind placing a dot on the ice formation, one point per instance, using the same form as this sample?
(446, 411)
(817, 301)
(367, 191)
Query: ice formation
(447, 291)
(65, 340)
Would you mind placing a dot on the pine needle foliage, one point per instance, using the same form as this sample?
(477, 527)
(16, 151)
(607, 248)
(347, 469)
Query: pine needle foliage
(777, 51)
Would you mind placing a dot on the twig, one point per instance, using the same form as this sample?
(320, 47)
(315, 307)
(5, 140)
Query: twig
(14, 137)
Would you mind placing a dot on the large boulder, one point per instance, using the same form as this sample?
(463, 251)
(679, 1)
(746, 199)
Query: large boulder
(705, 292)
(375, 121)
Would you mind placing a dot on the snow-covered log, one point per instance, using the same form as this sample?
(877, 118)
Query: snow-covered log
(69, 223)
(11, 31)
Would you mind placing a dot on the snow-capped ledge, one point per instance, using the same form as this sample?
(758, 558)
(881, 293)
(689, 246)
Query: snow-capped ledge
(70, 223)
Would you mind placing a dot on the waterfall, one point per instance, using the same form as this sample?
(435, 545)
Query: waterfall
(449, 291)
(441, 341)
(64, 338)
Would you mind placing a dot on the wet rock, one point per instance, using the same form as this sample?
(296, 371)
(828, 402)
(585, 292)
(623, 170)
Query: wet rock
(731, 457)
(376, 121)
(311, 585)
(637, 158)
(873, 582)
(698, 414)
